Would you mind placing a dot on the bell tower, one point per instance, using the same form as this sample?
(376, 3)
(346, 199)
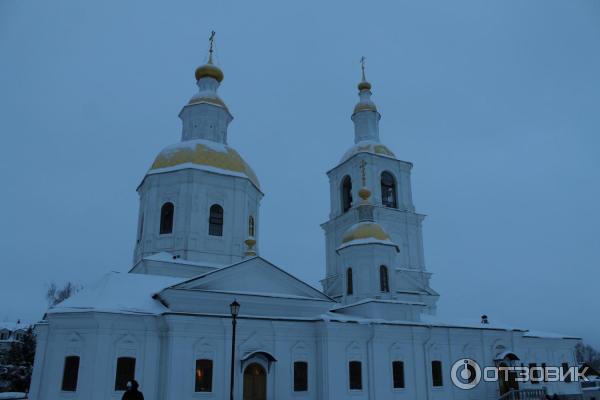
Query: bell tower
(380, 233)
(199, 201)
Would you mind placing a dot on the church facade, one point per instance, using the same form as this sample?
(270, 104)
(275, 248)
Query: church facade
(371, 333)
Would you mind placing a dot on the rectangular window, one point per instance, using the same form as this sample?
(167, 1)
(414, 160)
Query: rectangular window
(204, 372)
(70, 374)
(355, 375)
(436, 373)
(398, 374)
(300, 376)
(125, 372)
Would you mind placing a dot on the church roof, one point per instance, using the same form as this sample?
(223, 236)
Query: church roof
(119, 293)
(204, 155)
(253, 276)
(368, 146)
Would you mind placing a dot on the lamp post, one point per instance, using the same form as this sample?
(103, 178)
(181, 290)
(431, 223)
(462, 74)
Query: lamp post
(235, 309)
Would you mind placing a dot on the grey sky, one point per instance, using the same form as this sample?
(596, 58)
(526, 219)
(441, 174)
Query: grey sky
(495, 103)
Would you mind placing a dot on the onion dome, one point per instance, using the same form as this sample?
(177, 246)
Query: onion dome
(210, 70)
(204, 155)
(364, 85)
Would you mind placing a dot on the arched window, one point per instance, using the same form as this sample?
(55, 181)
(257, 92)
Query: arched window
(349, 283)
(70, 374)
(204, 373)
(388, 190)
(215, 220)
(300, 376)
(167, 212)
(398, 374)
(251, 226)
(436, 373)
(355, 375)
(346, 193)
(125, 372)
(384, 281)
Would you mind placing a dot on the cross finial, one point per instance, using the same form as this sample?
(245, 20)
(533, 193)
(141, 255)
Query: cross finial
(363, 164)
(211, 39)
(362, 67)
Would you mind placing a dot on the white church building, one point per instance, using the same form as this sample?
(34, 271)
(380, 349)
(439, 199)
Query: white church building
(371, 333)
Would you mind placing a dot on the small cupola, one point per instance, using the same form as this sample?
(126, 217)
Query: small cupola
(366, 230)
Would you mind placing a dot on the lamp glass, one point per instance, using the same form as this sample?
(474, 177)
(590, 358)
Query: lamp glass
(234, 308)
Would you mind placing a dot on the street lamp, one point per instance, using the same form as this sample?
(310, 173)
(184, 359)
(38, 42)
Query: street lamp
(235, 310)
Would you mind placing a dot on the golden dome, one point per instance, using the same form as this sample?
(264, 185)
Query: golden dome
(364, 85)
(203, 153)
(368, 147)
(211, 70)
(365, 230)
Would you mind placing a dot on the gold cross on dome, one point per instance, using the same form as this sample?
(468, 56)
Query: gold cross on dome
(363, 164)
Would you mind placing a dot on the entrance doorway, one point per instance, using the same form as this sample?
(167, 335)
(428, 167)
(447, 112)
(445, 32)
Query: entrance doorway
(255, 382)
(509, 384)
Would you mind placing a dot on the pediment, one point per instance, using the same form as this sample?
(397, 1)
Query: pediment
(254, 276)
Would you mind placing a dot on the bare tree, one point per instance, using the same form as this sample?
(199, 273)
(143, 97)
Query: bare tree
(56, 295)
(587, 354)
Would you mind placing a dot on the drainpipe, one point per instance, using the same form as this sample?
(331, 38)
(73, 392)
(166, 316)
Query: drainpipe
(371, 358)
(427, 368)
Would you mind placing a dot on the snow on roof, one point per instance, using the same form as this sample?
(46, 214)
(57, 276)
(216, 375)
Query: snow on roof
(370, 240)
(13, 326)
(469, 323)
(547, 335)
(119, 293)
(385, 301)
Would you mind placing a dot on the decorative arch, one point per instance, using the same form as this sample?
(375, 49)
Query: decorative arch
(300, 367)
(125, 364)
(398, 364)
(346, 193)
(389, 196)
(355, 358)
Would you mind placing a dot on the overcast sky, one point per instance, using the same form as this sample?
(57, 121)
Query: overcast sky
(495, 102)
